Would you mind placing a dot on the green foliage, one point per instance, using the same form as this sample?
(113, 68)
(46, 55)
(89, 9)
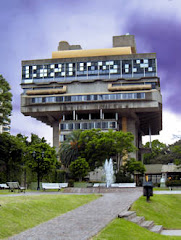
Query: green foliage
(128, 169)
(176, 149)
(69, 149)
(157, 149)
(79, 168)
(122, 177)
(5, 100)
(44, 164)
(96, 146)
(17, 163)
(173, 183)
(11, 159)
(21, 213)
(133, 166)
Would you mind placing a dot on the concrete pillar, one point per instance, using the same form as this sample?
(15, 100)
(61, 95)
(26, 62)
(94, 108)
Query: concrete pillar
(74, 115)
(124, 124)
(100, 113)
(56, 135)
(132, 127)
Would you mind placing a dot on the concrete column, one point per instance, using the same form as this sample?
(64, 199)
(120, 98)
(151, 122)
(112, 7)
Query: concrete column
(56, 135)
(89, 116)
(74, 115)
(132, 127)
(100, 113)
(124, 124)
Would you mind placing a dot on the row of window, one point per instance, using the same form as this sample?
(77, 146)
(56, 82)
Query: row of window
(83, 98)
(88, 125)
(115, 67)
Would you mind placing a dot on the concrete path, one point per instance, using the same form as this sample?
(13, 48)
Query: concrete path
(167, 192)
(85, 221)
(171, 232)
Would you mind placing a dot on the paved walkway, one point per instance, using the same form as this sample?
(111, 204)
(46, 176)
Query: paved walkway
(171, 232)
(85, 221)
(167, 192)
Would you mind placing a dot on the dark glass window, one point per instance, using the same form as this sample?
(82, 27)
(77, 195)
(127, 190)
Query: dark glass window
(67, 98)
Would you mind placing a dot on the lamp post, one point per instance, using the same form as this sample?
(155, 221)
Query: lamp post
(38, 172)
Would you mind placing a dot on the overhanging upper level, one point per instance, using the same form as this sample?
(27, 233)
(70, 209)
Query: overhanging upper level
(117, 80)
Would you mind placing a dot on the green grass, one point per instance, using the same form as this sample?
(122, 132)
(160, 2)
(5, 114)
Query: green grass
(20, 213)
(166, 189)
(162, 209)
(80, 184)
(120, 229)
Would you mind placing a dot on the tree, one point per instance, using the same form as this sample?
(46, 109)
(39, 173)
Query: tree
(96, 146)
(42, 165)
(134, 166)
(176, 151)
(69, 149)
(158, 150)
(5, 101)
(11, 159)
(79, 168)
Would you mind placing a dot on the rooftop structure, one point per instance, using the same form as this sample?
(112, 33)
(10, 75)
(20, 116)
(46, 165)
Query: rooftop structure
(114, 88)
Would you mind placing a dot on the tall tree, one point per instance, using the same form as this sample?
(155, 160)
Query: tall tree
(79, 168)
(69, 149)
(11, 149)
(95, 146)
(44, 159)
(158, 149)
(5, 101)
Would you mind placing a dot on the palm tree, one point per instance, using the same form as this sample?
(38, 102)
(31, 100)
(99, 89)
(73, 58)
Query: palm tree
(69, 149)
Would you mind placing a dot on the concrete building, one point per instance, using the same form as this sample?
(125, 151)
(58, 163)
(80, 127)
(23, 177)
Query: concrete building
(114, 88)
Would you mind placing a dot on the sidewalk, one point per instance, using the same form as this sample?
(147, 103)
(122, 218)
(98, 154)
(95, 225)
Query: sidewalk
(85, 221)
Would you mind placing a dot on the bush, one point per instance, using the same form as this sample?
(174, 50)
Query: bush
(71, 183)
(173, 183)
(122, 178)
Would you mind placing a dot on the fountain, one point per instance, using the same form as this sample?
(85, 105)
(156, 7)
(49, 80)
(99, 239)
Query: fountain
(108, 168)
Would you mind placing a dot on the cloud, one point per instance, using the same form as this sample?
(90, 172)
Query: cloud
(31, 29)
(171, 129)
(28, 125)
(163, 37)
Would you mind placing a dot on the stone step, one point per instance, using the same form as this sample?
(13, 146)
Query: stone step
(138, 220)
(156, 228)
(147, 224)
(128, 215)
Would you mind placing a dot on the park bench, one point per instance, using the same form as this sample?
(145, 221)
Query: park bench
(63, 185)
(47, 186)
(15, 185)
(123, 185)
(99, 185)
(3, 186)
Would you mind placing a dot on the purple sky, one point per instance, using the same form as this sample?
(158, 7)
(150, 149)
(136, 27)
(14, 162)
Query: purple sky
(31, 29)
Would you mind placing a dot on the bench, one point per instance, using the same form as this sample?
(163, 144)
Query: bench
(63, 185)
(4, 186)
(123, 185)
(99, 185)
(46, 186)
(15, 185)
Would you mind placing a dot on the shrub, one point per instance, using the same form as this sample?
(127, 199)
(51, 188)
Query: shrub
(122, 178)
(173, 183)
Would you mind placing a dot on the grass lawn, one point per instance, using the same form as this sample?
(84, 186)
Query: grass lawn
(20, 213)
(162, 209)
(120, 229)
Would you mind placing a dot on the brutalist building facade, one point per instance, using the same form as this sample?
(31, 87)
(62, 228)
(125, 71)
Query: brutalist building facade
(114, 88)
